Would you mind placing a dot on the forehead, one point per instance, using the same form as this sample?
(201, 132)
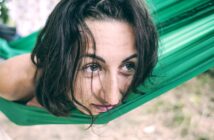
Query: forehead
(113, 38)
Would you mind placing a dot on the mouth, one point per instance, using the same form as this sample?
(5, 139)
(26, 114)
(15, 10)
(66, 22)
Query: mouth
(103, 108)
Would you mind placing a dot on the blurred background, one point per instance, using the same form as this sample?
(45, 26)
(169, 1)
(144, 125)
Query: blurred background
(184, 113)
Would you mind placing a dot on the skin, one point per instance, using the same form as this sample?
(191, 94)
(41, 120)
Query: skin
(16, 82)
(112, 68)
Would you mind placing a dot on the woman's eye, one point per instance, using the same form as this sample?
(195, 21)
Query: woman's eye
(92, 68)
(128, 68)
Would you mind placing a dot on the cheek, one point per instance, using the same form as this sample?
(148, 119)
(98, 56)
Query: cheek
(125, 82)
(80, 89)
(85, 88)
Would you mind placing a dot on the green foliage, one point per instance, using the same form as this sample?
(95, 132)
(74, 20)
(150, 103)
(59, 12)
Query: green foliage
(3, 12)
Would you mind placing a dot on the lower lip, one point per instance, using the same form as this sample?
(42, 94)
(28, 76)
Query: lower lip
(102, 109)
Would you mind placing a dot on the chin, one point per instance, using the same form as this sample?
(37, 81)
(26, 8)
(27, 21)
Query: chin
(92, 112)
(86, 112)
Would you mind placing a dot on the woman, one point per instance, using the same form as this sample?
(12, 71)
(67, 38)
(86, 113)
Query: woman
(90, 54)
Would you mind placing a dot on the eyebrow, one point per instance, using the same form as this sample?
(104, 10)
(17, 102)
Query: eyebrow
(130, 57)
(93, 56)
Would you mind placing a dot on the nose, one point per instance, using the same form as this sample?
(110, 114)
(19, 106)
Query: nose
(112, 92)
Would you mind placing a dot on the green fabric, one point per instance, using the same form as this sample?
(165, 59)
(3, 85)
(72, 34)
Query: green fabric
(186, 50)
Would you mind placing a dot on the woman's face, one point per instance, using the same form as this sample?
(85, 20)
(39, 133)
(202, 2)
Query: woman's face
(103, 78)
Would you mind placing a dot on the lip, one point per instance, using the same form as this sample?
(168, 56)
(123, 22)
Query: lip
(103, 108)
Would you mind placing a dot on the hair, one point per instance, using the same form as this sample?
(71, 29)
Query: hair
(64, 38)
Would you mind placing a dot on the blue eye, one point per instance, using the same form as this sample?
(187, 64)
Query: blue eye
(128, 68)
(91, 68)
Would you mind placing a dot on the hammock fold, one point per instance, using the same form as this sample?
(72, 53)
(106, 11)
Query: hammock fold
(186, 31)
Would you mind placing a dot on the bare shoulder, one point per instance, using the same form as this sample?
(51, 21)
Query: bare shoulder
(16, 82)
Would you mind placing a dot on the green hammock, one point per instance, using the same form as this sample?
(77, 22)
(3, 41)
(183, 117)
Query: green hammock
(186, 31)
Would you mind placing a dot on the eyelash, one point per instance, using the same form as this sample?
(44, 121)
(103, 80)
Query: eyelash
(91, 66)
(131, 66)
(127, 69)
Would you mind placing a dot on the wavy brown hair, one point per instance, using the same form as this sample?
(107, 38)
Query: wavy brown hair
(65, 36)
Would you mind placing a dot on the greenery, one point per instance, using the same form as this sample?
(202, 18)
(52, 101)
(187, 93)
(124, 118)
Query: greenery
(3, 12)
